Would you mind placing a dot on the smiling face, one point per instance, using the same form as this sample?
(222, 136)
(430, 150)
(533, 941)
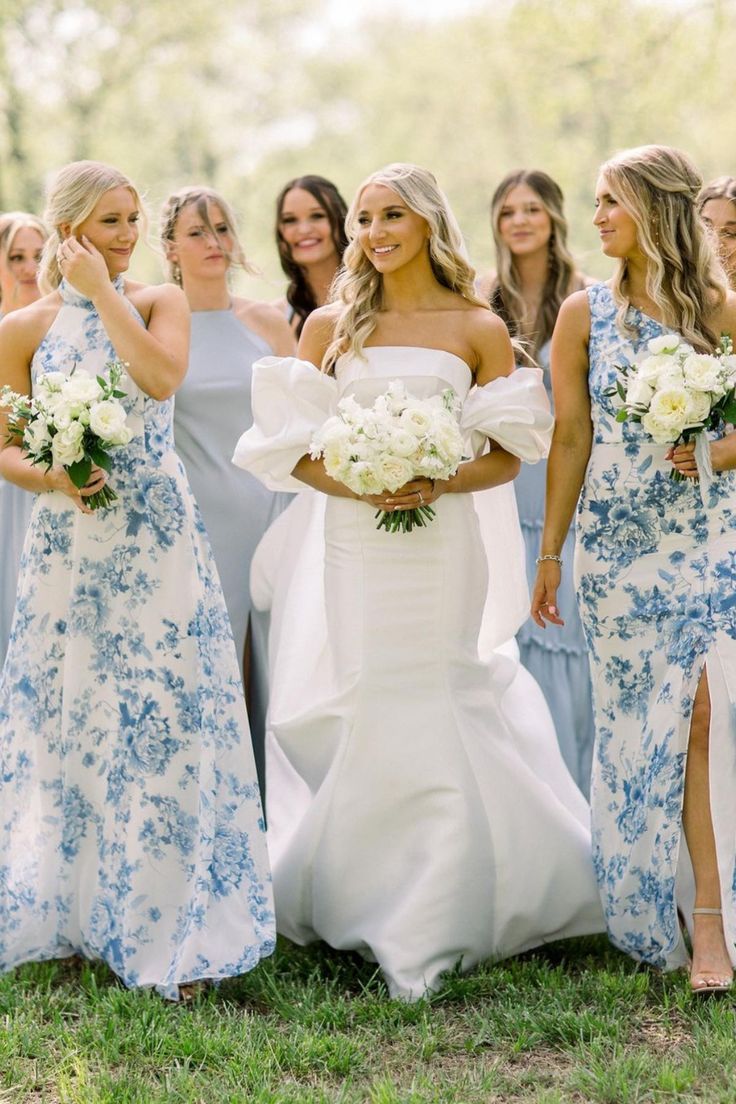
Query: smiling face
(304, 225)
(390, 233)
(524, 225)
(112, 227)
(202, 250)
(719, 215)
(616, 227)
(19, 269)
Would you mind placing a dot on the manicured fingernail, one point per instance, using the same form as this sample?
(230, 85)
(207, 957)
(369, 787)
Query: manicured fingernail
(553, 610)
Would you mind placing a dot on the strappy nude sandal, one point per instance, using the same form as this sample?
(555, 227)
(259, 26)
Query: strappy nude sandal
(714, 986)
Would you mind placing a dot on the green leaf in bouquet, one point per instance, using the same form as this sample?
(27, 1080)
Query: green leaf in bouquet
(100, 457)
(621, 390)
(119, 394)
(621, 415)
(728, 410)
(79, 472)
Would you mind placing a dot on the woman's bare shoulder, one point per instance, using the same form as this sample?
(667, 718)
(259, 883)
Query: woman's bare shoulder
(146, 297)
(25, 328)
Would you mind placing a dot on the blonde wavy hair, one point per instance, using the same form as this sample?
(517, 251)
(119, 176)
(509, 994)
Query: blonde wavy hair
(358, 287)
(13, 221)
(659, 186)
(562, 276)
(202, 198)
(72, 197)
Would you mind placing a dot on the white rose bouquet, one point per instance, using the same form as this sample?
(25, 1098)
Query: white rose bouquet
(677, 393)
(72, 422)
(382, 447)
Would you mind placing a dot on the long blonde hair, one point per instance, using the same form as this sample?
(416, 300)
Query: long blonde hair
(202, 198)
(358, 287)
(562, 277)
(658, 186)
(72, 197)
(13, 221)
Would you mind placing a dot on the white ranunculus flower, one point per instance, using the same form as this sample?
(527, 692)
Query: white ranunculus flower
(50, 382)
(107, 420)
(703, 373)
(66, 447)
(81, 388)
(698, 407)
(671, 377)
(649, 369)
(393, 472)
(417, 420)
(666, 343)
(63, 413)
(402, 442)
(364, 479)
(36, 436)
(669, 407)
(660, 433)
(336, 459)
(639, 392)
(448, 442)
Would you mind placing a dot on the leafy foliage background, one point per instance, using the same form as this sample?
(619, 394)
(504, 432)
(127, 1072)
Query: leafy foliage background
(247, 93)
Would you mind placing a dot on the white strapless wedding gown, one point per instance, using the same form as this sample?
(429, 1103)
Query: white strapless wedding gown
(419, 809)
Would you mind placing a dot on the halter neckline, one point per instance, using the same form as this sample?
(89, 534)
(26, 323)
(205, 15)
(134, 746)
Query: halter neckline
(74, 298)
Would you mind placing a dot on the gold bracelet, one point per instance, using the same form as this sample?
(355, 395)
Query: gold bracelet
(549, 556)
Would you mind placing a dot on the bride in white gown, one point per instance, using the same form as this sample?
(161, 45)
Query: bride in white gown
(419, 809)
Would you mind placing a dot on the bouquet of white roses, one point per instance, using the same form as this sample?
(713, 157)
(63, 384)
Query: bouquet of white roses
(382, 447)
(677, 393)
(71, 422)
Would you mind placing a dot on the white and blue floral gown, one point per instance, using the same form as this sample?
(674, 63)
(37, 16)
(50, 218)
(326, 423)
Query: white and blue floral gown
(656, 576)
(130, 825)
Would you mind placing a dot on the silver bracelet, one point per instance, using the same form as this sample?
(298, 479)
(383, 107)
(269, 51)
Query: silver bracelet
(549, 556)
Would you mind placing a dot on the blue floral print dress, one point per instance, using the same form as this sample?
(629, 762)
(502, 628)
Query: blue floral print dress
(656, 576)
(130, 825)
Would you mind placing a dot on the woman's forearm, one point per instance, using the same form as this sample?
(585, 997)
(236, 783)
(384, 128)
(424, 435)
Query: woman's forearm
(16, 467)
(723, 453)
(490, 470)
(312, 472)
(565, 473)
(156, 370)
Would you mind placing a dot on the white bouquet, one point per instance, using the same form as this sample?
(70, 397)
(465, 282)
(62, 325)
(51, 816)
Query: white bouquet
(71, 422)
(382, 447)
(677, 393)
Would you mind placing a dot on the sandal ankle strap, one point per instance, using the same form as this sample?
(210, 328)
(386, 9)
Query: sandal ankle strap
(707, 912)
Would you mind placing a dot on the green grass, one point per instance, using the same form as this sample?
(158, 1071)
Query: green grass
(576, 1022)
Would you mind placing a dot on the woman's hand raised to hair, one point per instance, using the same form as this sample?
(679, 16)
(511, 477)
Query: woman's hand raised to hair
(82, 264)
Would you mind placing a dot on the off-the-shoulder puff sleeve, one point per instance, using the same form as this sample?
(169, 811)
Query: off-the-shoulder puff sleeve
(514, 411)
(290, 400)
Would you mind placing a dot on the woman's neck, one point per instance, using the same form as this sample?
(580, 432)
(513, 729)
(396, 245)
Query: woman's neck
(207, 295)
(319, 276)
(412, 287)
(635, 283)
(532, 271)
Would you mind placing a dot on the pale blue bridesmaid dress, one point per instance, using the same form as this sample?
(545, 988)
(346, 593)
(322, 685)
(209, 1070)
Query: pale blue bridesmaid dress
(211, 409)
(556, 657)
(15, 512)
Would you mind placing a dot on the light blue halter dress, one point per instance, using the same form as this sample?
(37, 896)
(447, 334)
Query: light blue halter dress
(211, 409)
